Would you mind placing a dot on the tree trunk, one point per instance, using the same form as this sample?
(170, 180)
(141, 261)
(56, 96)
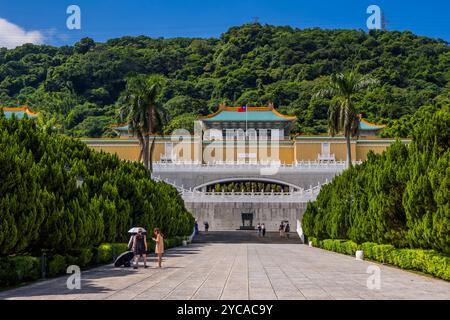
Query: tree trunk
(141, 146)
(152, 149)
(145, 151)
(349, 152)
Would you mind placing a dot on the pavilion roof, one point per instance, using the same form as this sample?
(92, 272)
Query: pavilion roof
(19, 112)
(253, 114)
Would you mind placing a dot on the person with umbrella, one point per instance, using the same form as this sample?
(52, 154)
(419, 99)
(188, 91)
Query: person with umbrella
(139, 247)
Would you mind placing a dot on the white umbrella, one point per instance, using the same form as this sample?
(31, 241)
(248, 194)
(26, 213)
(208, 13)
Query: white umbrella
(136, 230)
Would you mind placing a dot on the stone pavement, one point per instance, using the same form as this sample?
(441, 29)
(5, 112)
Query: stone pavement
(238, 271)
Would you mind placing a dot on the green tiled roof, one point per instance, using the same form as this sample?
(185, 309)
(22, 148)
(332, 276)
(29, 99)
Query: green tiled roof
(252, 114)
(364, 125)
(19, 113)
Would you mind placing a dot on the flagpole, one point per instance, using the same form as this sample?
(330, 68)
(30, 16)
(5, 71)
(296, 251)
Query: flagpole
(246, 125)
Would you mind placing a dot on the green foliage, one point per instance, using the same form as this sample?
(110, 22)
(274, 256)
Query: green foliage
(56, 265)
(41, 207)
(252, 63)
(401, 197)
(18, 269)
(427, 261)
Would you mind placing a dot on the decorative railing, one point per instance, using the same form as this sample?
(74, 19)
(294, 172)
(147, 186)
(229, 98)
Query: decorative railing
(301, 196)
(241, 166)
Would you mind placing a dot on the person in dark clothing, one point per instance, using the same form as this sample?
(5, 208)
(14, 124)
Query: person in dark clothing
(196, 227)
(206, 226)
(281, 230)
(287, 229)
(140, 248)
(263, 227)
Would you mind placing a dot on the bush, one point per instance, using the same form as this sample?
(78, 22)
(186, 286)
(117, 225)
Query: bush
(56, 265)
(349, 247)
(15, 270)
(85, 257)
(426, 261)
(382, 252)
(368, 248)
(104, 253)
(118, 248)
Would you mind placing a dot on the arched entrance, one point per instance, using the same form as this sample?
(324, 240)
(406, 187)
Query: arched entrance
(286, 186)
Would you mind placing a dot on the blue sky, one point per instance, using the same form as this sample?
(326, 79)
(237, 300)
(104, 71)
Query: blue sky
(105, 19)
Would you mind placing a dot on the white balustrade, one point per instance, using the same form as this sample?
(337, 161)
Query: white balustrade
(224, 166)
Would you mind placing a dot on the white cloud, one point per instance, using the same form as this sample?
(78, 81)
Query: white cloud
(12, 35)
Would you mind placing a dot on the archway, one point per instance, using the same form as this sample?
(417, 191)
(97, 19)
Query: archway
(204, 186)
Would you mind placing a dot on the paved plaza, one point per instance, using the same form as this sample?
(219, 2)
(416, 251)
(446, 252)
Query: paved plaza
(246, 270)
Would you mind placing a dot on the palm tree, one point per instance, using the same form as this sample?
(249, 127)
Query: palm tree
(140, 108)
(342, 116)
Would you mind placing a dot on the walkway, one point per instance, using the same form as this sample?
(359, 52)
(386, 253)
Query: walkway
(246, 270)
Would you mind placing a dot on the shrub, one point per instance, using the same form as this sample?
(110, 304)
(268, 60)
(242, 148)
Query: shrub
(118, 248)
(56, 265)
(427, 261)
(104, 253)
(85, 257)
(349, 247)
(382, 252)
(368, 248)
(14, 270)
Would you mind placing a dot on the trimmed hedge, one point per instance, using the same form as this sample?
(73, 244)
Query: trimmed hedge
(426, 261)
(18, 269)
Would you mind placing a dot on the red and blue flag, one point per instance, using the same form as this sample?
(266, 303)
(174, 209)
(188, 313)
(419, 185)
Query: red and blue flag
(242, 109)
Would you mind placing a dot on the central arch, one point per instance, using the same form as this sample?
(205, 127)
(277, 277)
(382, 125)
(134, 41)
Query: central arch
(245, 179)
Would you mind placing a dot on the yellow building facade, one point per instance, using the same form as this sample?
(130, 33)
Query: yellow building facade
(256, 135)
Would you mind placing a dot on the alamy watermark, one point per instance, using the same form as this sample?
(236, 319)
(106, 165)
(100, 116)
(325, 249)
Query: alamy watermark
(375, 20)
(74, 280)
(236, 145)
(73, 22)
(374, 280)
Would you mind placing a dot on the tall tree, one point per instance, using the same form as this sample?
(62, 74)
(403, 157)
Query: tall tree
(140, 107)
(342, 115)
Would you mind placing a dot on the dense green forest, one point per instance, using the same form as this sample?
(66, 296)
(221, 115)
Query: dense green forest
(400, 197)
(255, 64)
(59, 195)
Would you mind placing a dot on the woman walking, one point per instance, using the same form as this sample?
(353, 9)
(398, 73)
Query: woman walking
(140, 248)
(159, 248)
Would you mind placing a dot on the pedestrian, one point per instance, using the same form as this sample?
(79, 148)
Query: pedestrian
(139, 248)
(196, 228)
(259, 229)
(206, 226)
(281, 230)
(287, 229)
(159, 247)
(263, 227)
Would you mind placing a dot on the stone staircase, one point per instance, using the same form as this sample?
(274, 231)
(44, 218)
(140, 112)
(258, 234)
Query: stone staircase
(244, 236)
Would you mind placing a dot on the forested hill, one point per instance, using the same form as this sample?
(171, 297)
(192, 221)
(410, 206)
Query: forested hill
(254, 64)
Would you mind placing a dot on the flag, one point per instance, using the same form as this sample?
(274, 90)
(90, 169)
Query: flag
(242, 109)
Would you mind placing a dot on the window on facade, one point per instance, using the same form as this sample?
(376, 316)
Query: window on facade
(229, 134)
(326, 149)
(168, 151)
(263, 134)
(240, 135)
(251, 133)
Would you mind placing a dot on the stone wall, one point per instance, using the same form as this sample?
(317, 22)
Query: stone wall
(304, 179)
(228, 215)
